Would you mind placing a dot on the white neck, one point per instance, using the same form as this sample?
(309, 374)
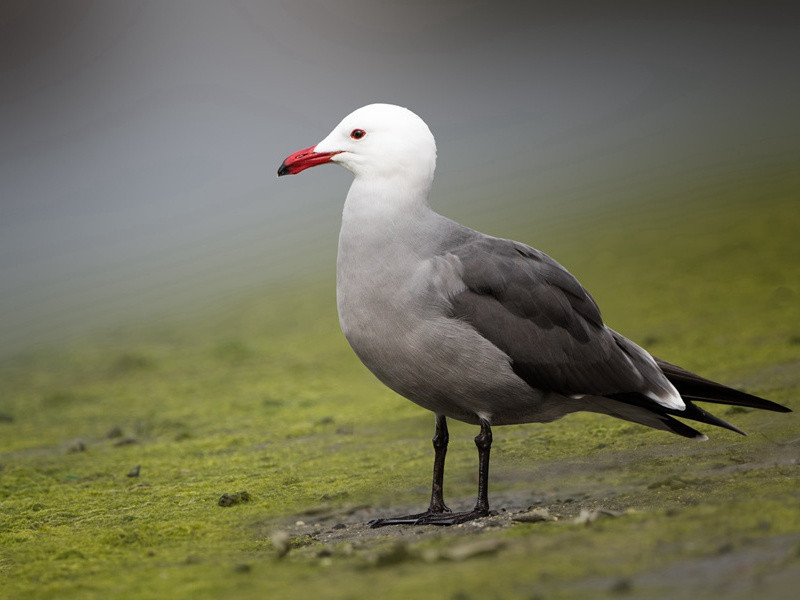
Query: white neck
(380, 203)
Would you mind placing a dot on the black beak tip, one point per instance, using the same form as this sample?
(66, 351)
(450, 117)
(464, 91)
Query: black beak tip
(283, 170)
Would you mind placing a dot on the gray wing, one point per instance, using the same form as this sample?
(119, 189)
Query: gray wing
(536, 312)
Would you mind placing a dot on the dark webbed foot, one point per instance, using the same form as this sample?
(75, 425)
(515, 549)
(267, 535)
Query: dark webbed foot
(409, 519)
(432, 518)
(453, 518)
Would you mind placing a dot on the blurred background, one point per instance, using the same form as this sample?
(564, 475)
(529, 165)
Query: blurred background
(139, 140)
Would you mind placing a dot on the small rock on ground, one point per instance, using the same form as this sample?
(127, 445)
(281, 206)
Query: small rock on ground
(231, 499)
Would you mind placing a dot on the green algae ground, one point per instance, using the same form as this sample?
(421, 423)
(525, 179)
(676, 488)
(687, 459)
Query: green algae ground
(266, 397)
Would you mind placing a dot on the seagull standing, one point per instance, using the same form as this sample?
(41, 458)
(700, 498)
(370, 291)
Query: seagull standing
(480, 329)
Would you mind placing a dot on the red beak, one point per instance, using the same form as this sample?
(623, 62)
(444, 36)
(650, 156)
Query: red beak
(303, 159)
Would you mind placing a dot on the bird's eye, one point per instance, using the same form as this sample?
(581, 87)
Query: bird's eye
(357, 134)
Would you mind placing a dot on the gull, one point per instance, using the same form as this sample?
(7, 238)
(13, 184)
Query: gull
(480, 329)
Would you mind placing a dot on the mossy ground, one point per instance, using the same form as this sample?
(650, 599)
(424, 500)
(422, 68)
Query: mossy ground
(266, 397)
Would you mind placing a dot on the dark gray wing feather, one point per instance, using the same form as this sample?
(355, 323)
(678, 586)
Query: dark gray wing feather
(534, 310)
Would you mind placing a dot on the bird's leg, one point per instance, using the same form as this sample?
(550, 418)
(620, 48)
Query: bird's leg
(440, 441)
(437, 506)
(484, 443)
(438, 513)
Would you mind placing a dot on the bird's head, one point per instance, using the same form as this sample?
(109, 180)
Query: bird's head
(377, 141)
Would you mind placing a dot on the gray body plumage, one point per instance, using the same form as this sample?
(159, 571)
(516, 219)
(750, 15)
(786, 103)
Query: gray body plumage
(453, 320)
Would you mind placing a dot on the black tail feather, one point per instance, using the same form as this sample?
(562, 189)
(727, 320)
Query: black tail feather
(692, 411)
(694, 387)
(696, 413)
(681, 428)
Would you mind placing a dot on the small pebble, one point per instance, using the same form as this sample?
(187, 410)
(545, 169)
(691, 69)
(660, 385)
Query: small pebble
(590, 516)
(621, 586)
(76, 446)
(231, 499)
(536, 515)
(281, 542)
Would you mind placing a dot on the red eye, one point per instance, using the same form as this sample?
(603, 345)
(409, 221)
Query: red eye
(357, 134)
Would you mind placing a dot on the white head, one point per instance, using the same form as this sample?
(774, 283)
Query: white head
(377, 141)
